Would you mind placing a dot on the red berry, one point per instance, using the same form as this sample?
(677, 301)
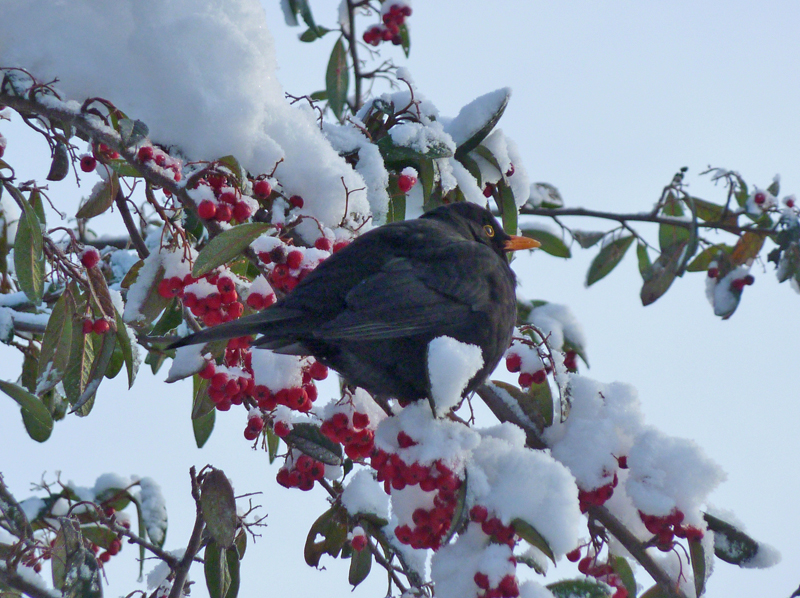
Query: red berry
(404, 440)
(256, 423)
(114, 546)
(713, 272)
(90, 257)
(323, 244)
(510, 171)
(508, 587)
(145, 154)
(88, 325)
(241, 211)
(789, 202)
(513, 362)
(294, 259)
(208, 371)
(104, 557)
(478, 513)
(262, 188)
(539, 376)
(224, 213)
(281, 429)
(760, 198)
(481, 580)
(339, 245)
(358, 542)
(88, 163)
(570, 361)
(100, 326)
(360, 420)
(585, 564)
(738, 284)
(488, 190)
(405, 183)
(251, 433)
(574, 555)
(207, 209)
(622, 462)
(296, 201)
(319, 371)
(228, 197)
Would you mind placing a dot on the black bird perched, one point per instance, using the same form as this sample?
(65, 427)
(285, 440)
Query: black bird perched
(370, 310)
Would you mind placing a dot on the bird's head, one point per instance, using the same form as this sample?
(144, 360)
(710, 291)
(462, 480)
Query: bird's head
(475, 222)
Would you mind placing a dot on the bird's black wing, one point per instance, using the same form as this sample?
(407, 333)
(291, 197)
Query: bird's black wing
(429, 291)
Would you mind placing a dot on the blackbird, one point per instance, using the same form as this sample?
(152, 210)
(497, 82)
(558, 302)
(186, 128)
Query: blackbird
(370, 310)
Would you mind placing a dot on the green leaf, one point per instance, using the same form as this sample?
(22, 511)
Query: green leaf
(468, 162)
(81, 357)
(333, 530)
(203, 412)
(747, 248)
(730, 543)
(702, 261)
(699, 571)
(337, 79)
(645, 267)
(607, 259)
(308, 439)
(273, 442)
(81, 572)
(397, 156)
(116, 363)
(579, 588)
(587, 239)
(127, 348)
(536, 404)
(655, 592)
(170, 319)
(710, 212)
(305, 11)
(660, 276)
(670, 235)
(56, 344)
(550, 243)
(623, 568)
(528, 533)
(35, 199)
(405, 39)
(481, 117)
(426, 179)
(12, 515)
(100, 199)
(460, 512)
(218, 505)
(202, 428)
(508, 207)
(319, 96)
(29, 261)
(98, 369)
(218, 577)
(132, 131)
(98, 534)
(59, 167)
(773, 189)
(397, 202)
(227, 245)
(36, 417)
(234, 167)
(360, 565)
(310, 34)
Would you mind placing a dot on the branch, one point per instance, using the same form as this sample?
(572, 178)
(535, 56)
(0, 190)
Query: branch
(130, 225)
(353, 42)
(632, 544)
(194, 542)
(642, 217)
(17, 582)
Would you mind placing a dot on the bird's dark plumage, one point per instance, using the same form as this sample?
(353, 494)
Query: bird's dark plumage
(370, 310)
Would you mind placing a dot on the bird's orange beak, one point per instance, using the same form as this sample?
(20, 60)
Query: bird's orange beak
(515, 243)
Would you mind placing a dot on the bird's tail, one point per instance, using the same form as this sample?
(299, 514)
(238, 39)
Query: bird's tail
(271, 322)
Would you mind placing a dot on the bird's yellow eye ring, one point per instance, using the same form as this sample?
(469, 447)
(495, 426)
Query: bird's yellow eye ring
(489, 230)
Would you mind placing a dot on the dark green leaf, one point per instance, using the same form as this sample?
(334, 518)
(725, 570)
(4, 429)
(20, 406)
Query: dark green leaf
(56, 344)
(360, 564)
(219, 507)
(308, 439)
(234, 167)
(701, 262)
(98, 370)
(774, 189)
(579, 588)
(710, 212)
(218, 577)
(59, 167)
(698, 557)
(35, 199)
(670, 235)
(508, 207)
(319, 96)
(170, 319)
(397, 202)
(81, 357)
(127, 348)
(660, 276)
(227, 245)
(460, 512)
(405, 39)
(334, 534)
(36, 417)
(116, 363)
(426, 178)
(310, 35)
(132, 131)
(100, 199)
(536, 404)
(479, 129)
(29, 262)
(730, 543)
(12, 515)
(528, 533)
(607, 259)
(645, 267)
(290, 12)
(202, 428)
(550, 243)
(98, 534)
(82, 571)
(587, 239)
(468, 162)
(337, 79)
(398, 156)
(305, 12)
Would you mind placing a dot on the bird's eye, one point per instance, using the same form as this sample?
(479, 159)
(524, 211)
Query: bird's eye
(489, 230)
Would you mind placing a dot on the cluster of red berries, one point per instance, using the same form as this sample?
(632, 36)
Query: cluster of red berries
(598, 496)
(98, 326)
(507, 588)
(668, 527)
(287, 271)
(102, 152)
(352, 432)
(213, 303)
(301, 473)
(389, 31)
(229, 204)
(430, 525)
(738, 284)
(298, 398)
(255, 424)
(259, 301)
(227, 386)
(603, 572)
(526, 379)
(492, 526)
(162, 159)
